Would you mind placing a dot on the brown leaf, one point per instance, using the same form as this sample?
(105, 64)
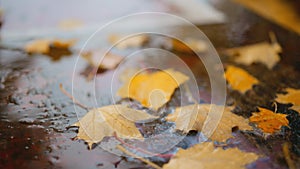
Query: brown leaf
(239, 79)
(292, 96)
(104, 121)
(205, 156)
(189, 45)
(263, 52)
(152, 89)
(268, 121)
(42, 46)
(193, 117)
(109, 61)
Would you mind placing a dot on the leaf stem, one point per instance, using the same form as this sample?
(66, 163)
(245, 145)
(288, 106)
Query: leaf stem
(71, 97)
(137, 157)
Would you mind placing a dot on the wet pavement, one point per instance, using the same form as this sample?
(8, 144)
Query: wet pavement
(35, 114)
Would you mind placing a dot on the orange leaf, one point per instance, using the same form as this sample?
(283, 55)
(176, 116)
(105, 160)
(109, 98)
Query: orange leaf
(239, 79)
(268, 121)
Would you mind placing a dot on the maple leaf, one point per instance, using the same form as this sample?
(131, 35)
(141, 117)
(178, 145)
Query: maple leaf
(193, 117)
(104, 121)
(268, 121)
(205, 156)
(152, 89)
(109, 61)
(239, 79)
(292, 96)
(130, 42)
(42, 46)
(264, 52)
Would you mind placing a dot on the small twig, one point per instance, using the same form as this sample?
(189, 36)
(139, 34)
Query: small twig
(71, 97)
(141, 150)
(287, 156)
(137, 157)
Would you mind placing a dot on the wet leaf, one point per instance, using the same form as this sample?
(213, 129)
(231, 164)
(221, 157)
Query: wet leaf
(96, 59)
(268, 121)
(193, 117)
(104, 121)
(152, 90)
(190, 45)
(292, 96)
(42, 46)
(239, 79)
(264, 52)
(205, 156)
(128, 42)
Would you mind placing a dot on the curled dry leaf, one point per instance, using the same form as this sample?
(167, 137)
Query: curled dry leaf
(239, 79)
(292, 96)
(193, 117)
(264, 52)
(96, 59)
(152, 90)
(104, 121)
(130, 42)
(205, 156)
(268, 121)
(42, 46)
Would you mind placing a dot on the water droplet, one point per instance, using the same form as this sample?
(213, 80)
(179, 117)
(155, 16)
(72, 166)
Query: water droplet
(26, 147)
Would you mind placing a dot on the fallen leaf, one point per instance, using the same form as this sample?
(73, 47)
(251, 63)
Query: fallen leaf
(268, 121)
(95, 59)
(239, 79)
(38, 46)
(264, 52)
(189, 45)
(130, 42)
(70, 24)
(206, 156)
(193, 117)
(104, 121)
(152, 90)
(292, 96)
(42, 46)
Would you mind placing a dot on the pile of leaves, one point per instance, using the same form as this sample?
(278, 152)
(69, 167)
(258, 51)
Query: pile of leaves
(153, 90)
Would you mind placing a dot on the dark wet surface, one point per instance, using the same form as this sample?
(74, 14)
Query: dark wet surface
(34, 113)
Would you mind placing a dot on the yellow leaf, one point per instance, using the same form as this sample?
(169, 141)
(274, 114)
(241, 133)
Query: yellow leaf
(268, 121)
(239, 79)
(152, 89)
(38, 46)
(205, 156)
(42, 46)
(130, 42)
(264, 52)
(104, 121)
(109, 61)
(292, 96)
(193, 117)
